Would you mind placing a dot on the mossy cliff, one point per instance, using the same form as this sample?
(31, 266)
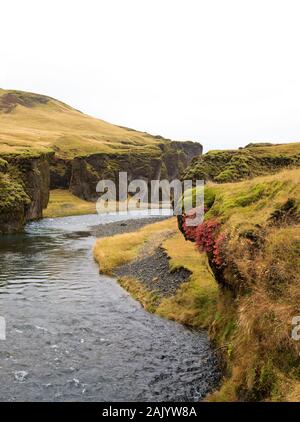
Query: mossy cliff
(251, 236)
(81, 174)
(40, 134)
(253, 160)
(24, 189)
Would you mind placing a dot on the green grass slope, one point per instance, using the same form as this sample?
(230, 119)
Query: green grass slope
(251, 235)
(253, 160)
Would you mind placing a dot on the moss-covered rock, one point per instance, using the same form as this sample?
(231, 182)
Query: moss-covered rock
(253, 160)
(24, 189)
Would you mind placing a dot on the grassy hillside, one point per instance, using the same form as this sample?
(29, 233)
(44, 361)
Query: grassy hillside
(253, 160)
(80, 151)
(251, 235)
(31, 121)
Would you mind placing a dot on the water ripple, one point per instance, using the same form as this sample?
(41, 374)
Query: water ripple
(75, 335)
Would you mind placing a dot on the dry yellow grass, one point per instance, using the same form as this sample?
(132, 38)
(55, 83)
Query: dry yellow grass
(262, 274)
(194, 303)
(148, 299)
(111, 252)
(264, 357)
(63, 203)
(252, 201)
(57, 126)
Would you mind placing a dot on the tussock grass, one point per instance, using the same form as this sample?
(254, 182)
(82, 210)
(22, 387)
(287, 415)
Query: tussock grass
(264, 358)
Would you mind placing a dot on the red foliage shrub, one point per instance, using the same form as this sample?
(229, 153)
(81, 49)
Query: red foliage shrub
(190, 230)
(219, 250)
(206, 234)
(207, 237)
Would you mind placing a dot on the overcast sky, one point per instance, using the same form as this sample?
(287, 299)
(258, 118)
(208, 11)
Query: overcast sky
(223, 73)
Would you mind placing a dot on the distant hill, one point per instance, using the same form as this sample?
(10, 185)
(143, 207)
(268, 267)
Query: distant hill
(253, 160)
(36, 121)
(46, 144)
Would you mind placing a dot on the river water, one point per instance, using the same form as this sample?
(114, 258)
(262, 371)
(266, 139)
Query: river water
(75, 335)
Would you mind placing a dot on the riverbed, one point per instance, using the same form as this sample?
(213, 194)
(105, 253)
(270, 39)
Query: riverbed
(75, 335)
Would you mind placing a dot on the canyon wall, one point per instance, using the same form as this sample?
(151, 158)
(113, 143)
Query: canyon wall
(24, 189)
(26, 178)
(81, 174)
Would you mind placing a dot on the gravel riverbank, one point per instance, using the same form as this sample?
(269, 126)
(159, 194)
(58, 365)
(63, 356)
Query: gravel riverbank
(153, 271)
(124, 226)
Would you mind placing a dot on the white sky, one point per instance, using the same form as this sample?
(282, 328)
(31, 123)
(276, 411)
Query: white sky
(220, 72)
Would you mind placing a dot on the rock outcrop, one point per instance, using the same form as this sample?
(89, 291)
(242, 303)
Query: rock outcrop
(253, 160)
(81, 174)
(24, 189)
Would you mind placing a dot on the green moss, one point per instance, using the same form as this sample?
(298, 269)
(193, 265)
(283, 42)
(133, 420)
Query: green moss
(12, 194)
(255, 193)
(234, 165)
(190, 197)
(3, 165)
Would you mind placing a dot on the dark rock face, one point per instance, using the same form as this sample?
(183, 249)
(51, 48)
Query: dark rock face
(37, 181)
(88, 171)
(12, 222)
(60, 173)
(82, 174)
(24, 190)
(25, 179)
(190, 149)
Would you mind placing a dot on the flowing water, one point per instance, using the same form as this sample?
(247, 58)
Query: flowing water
(72, 334)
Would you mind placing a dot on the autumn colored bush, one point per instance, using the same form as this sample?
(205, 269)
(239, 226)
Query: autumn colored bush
(188, 229)
(219, 250)
(206, 234)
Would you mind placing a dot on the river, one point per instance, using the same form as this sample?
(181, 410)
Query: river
(75, 335)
